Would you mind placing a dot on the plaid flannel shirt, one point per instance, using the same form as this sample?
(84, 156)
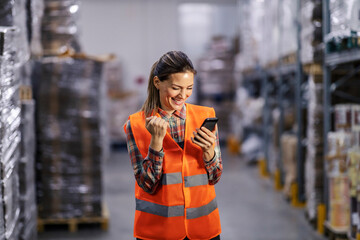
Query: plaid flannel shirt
(148, 170)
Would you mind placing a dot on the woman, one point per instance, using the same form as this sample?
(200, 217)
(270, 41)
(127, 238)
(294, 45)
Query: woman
(175, 173)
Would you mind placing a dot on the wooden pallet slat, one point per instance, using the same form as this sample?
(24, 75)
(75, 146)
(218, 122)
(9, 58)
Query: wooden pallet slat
(73, 223)
(289, 58)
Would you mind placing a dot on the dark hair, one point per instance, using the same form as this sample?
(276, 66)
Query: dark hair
(169, 63)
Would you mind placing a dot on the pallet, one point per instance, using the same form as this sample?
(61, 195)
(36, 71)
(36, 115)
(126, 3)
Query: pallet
(272, 64)
(25, 92)
(313, 69)
(248, 71)
(289, 59)
(73, 224)
(335, 233)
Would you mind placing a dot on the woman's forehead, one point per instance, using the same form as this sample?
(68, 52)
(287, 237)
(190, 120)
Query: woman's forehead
(182, 79)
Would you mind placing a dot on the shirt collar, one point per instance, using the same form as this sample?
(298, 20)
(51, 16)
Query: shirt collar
(180, 114)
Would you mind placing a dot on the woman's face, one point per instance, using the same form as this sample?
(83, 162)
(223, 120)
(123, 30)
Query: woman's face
(174, 91)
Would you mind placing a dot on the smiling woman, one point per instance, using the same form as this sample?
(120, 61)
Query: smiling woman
(175, 173)
(174, 92)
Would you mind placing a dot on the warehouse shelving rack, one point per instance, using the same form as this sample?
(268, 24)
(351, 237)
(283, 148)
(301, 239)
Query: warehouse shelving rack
(253, 80)
(286, 96)
(290, 75)
(350, 61)
(276, 81)
(270, 95)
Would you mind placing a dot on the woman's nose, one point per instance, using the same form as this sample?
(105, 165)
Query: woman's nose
(182, 93)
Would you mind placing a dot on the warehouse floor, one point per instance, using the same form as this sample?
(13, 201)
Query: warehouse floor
(250, 208)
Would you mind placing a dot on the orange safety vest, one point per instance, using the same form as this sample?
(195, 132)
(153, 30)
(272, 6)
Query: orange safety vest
(184, 204)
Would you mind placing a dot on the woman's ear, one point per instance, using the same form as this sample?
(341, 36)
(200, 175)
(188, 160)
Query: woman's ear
(156, 82)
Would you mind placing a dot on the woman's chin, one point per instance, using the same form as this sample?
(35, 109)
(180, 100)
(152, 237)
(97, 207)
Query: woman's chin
(177, 107)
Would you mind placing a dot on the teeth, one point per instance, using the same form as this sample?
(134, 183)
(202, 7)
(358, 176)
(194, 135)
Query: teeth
(178, 102)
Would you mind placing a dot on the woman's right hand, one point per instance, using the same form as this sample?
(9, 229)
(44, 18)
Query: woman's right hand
(157, 127)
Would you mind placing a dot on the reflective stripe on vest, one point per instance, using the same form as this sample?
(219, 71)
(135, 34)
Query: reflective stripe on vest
(175, 211)
(160, 210)
(196, 180)
(192, 213)
(190, 181)
(171, 178)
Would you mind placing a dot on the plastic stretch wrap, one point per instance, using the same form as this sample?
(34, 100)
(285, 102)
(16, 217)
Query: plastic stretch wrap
(71, 135)
(28, 209)
(260, 33)
(314, 173)
(288, 27)
(11, 59)
(30, 232)
(344, 19)
(251, 26)
(269, 45)
(15, 15)
(246, 118)
(35, 9)
(59, 26)
(11, 202)
(311, 31)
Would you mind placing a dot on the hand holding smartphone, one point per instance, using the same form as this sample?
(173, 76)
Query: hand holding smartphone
(209, 123)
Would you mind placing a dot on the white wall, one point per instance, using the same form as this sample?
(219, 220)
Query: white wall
(136, 31)
(140, 31)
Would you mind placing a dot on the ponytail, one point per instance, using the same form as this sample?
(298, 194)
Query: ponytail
(153, 98)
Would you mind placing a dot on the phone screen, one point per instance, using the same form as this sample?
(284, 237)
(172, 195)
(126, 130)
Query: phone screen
(209, 123)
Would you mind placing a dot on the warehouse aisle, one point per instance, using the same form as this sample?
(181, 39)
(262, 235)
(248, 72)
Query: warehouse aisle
(250, 209)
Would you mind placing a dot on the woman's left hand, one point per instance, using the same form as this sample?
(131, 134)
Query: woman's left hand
(205, 139)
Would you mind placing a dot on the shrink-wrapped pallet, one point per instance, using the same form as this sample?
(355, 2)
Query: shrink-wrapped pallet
(28, 208)
(35, 10)
(60, 30)
(311, 31)
(344, 25)
(9, 131)
(71, 136)
(288, 28)
(314, 173)
(13, 14)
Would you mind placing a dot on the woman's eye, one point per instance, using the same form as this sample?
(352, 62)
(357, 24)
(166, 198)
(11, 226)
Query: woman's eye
(189, 89)
(175, 88)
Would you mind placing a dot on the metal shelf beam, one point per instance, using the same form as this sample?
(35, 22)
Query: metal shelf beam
(333, 59)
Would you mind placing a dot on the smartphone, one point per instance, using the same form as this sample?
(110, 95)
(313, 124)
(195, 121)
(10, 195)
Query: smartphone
(210, 123)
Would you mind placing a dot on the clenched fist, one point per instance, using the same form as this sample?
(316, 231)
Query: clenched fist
(157, 127)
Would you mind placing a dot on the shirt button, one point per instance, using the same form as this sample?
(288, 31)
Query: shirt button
(176, 136)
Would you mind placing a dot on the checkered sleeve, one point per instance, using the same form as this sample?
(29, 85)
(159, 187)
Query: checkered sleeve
(214, 167)
(147, 170)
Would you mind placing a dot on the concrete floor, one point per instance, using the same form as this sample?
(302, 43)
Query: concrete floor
(250, 208)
